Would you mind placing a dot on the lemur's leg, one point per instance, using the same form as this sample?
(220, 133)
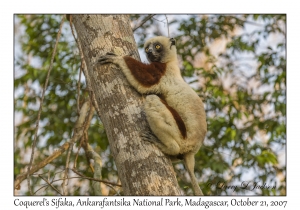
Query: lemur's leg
(163, 125)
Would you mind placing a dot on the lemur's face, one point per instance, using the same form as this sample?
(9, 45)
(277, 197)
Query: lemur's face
(160, 49)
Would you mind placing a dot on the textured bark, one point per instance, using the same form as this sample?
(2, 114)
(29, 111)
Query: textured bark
(143, 169)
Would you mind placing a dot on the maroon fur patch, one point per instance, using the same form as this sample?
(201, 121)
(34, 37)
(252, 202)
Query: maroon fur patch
(178, 119)
(146, 74)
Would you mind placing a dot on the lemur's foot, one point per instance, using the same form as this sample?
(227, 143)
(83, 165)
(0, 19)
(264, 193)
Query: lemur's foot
(149, 136)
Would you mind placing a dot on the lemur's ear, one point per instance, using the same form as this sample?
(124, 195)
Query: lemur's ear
(173, 41)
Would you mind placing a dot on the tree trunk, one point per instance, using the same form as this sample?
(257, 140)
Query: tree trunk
(143, 169)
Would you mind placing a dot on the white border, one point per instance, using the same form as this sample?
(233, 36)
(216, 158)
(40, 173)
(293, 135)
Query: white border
(171, 7)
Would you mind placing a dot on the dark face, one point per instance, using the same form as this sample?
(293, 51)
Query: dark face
(160, 49)
(154, 52)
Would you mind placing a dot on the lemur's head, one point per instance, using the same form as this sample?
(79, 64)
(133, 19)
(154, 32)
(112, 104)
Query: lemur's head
(160, 49)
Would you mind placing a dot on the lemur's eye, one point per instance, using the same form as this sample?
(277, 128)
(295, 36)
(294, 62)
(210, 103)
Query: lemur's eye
(146, 49)
(157, 46)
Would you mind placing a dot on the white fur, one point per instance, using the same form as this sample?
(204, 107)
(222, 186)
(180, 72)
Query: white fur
(179, 96)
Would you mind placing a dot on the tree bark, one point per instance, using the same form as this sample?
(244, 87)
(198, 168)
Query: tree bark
(143, 169)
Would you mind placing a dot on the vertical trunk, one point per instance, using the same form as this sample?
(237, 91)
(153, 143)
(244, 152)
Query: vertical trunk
(142, 168)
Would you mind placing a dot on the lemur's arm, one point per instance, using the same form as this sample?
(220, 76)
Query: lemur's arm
(144, 78)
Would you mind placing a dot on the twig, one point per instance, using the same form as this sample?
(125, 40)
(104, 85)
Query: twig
(111, 187)
(81, 177)
(89, 117)
(167, 26)
(43, 163)
(78, 131)
(76, 156)
(84, 138)
(41, 105)
(162, 21)
(98, 168)
(85, 135)
(81, 67)
(84, 124)
(97, 180)
(145, 20)
(87, 154)
(54, 188)
(78, 89)
(45, 185)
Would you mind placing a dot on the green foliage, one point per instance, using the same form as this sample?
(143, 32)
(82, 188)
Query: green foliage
(243, 86)
(37, 37)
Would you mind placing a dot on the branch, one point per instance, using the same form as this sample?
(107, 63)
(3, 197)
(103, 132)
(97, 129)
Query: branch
(81, 65)
(78, 132)
(41, 105)
(84, 138)
(21, 177)
(145, 20)
(98, 166)
(54, 188)
(97, 180)
(109, 184)
(168, 26)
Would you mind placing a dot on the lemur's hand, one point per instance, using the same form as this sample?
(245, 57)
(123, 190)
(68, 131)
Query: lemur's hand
(108, 58)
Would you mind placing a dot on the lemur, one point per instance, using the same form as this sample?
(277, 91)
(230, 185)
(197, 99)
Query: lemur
(174, 111)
